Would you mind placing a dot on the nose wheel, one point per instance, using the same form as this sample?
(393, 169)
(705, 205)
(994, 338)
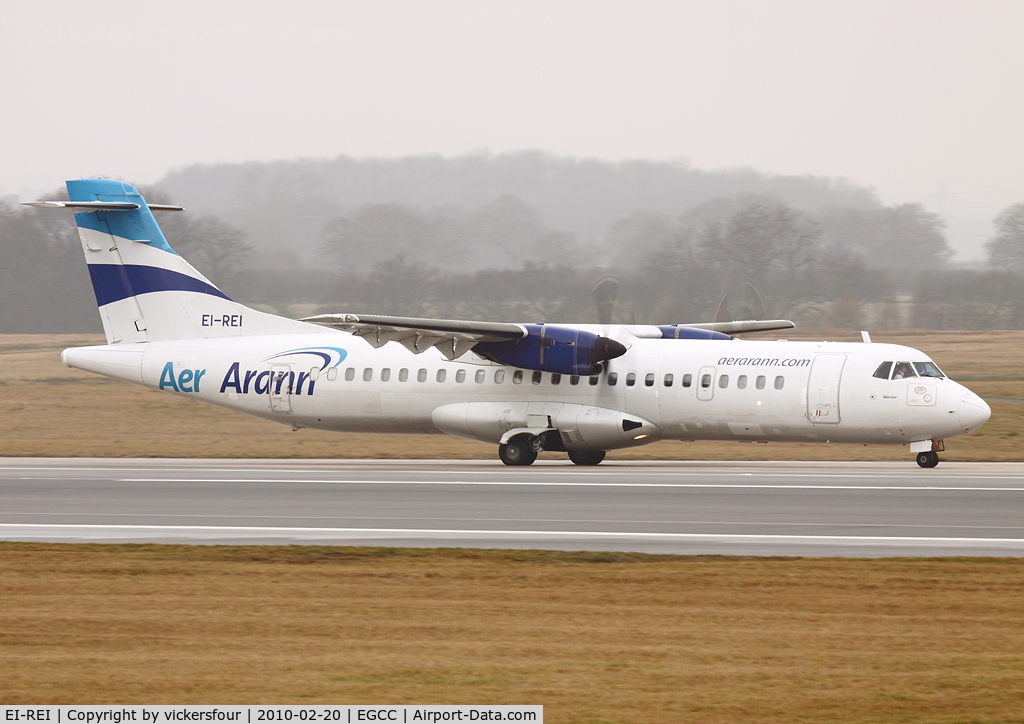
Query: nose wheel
(928, 459)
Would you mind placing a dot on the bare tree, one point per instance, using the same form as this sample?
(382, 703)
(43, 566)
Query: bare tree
(1006, 249)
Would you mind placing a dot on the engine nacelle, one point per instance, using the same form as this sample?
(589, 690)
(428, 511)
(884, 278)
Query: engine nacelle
(581, 428)
(551, 348)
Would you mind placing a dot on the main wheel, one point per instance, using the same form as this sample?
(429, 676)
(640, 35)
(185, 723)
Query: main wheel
(928, 459)
(518, 451)
(587, 458)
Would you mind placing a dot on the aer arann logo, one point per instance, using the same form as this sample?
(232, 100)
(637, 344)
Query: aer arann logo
(263, 381)
(185, 381)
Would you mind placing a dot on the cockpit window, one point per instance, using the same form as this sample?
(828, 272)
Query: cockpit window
(883, 370)
(928, 369)
(903, 370)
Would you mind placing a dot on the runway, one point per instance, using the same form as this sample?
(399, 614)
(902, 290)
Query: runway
(733, 508)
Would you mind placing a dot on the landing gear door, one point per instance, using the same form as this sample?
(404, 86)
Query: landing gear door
(823, 389)
(281, 380)
(706, 383)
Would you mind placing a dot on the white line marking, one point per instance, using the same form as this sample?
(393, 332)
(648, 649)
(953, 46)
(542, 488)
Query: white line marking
(605, 521)
(429, 532)
(609, 471)
(556, 484)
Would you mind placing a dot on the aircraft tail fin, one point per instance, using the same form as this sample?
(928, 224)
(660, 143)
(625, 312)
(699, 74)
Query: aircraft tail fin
(145, 291)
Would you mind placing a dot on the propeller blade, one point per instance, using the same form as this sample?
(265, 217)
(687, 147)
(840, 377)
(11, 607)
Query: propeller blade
(606, 291)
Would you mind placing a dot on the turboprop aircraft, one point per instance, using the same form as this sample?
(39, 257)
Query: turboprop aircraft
(579, 388)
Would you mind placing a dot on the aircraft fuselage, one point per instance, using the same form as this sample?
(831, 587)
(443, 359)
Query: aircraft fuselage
(770, 391)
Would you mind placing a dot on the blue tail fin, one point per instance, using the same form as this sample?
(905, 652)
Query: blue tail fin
(145, 291)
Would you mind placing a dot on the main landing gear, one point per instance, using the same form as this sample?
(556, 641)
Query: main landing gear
(928, 459)
(587, 458)
(523, 449)
(518, 451)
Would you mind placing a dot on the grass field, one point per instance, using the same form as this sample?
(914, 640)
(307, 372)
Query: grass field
(592, 637)
(51, 410)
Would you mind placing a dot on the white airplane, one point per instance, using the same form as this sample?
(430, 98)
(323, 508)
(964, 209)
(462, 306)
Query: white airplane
(579, 388)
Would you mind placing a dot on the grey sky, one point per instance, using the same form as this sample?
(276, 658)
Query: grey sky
(920, 100)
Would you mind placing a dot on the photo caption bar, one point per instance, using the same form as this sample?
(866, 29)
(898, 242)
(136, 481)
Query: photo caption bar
(144, 714)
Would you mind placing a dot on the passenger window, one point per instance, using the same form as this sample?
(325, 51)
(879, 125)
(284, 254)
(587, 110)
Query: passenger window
(314, 373)
(741, 382)
(441, 374)
(555, 378)
(779, 382)
(613, 379)
(537, 375)
(687, 380)
(928, 369)
(403, 374)
(479, 376)
(594, 380)
(705, 381)
(574, 379)
(350, 374)
(332, 374)
(499, 376)
(421, 376)
(759, 384)
(883, 370)
(631, 379)
(903, 370)
(649, 379)
(517, 377)
(367, 374)
(385, 374)
(460, 376)
(723, 381)
(668, 380)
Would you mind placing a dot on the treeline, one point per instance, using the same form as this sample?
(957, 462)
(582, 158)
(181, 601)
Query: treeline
(738, 257)
(505, 205)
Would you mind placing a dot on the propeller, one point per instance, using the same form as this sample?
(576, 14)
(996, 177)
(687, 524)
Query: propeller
(606, 292)
(753, 306)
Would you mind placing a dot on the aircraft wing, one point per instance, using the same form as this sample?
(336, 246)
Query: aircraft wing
(750, 325)
(453, 337)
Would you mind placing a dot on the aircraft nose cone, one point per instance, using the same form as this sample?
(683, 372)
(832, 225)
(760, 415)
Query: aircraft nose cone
(974, 412)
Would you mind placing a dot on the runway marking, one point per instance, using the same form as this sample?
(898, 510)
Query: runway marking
(605, 521)
(570, 471)
(470, 533)
(565, 484)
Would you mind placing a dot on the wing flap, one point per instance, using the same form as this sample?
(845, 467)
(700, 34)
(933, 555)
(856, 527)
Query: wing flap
(452, 337)
(750, 325)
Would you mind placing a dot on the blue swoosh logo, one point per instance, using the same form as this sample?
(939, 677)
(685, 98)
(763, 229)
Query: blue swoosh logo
(324, 353)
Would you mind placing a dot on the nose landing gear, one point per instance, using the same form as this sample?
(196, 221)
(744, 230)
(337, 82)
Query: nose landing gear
(928, 459)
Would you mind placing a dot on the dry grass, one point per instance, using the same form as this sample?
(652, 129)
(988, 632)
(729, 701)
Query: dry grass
(593, 637)
(54, 411)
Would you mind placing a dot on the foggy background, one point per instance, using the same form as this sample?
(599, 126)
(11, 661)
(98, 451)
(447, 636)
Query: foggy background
(857, 165)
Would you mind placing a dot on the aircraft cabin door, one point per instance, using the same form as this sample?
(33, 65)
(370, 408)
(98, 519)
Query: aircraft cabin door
(706, 383)
(281, 380)
(823, 389)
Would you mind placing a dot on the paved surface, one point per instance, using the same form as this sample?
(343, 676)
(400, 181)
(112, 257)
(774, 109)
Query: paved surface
(774, 508)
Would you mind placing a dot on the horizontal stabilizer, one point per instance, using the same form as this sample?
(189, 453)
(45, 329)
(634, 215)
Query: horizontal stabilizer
(83, 206)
